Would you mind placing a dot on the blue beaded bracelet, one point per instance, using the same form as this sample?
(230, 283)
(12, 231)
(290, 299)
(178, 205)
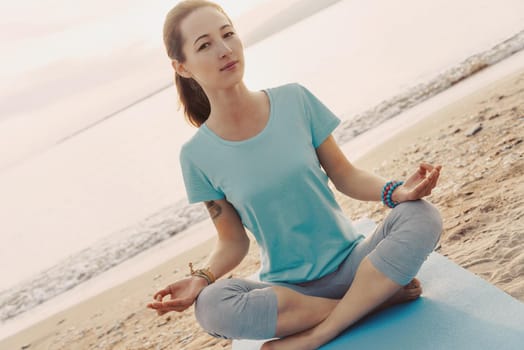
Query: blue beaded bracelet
(387, 192)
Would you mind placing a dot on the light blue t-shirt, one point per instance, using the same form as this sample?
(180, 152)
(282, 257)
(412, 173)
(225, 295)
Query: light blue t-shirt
(275, 182)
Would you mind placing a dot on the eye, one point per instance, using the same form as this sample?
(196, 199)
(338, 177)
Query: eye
(203, 46)
(229, 34)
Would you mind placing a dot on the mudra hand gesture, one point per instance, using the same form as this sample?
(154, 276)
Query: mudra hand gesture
(418, 185)
(182, 295)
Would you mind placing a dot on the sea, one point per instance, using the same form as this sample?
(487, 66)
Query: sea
(89, 174)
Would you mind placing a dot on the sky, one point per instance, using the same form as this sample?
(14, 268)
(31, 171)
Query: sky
(58, 56)
(36, 32)
(48, 43)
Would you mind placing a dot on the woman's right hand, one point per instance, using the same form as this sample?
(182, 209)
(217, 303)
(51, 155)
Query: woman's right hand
(183, 294)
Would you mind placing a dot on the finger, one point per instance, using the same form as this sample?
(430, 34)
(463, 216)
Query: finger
(422, 171)
(170, 304)
(435, 168)
(424, 188)
(180, 308)
(161, 294)
(438, 171)
(421, 189)
(177, 303)
(156, 305)
(429, 188)
(426, 166)
(159, 312)
(434, 176)
(164, 310)
(435, 179)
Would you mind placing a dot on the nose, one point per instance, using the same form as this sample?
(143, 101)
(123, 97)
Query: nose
(224, 49)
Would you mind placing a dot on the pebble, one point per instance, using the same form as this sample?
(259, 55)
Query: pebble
(162, 323)
(474, 130)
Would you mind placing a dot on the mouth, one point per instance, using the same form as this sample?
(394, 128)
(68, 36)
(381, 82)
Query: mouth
(229, 66)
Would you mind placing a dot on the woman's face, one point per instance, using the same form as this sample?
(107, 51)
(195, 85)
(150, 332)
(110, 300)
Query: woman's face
(214, 53)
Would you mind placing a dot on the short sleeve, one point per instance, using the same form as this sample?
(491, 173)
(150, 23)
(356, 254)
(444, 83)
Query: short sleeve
(198, 186)
(322, 121)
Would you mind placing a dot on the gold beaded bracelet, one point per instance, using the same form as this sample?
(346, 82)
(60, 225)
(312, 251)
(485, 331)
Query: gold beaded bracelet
(204, 273)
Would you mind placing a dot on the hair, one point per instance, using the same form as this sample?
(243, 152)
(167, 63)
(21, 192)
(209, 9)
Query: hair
(191, 95)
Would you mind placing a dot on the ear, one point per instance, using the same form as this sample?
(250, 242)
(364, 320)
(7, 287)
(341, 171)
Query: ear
(180, 68)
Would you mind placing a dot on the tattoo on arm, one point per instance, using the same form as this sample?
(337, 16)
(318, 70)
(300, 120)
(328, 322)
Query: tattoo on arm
(214, 209)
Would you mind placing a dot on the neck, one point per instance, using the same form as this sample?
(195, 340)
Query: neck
(231, 104)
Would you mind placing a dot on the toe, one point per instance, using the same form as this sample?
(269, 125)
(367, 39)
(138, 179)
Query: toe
(416, 292)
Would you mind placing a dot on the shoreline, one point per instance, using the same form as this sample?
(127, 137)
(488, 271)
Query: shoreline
(85, 266)
(200, 234)
(136, 289)
(423, 111)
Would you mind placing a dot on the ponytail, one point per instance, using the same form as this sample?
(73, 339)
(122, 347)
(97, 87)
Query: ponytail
(194, 99)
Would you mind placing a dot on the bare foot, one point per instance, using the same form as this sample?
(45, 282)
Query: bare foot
(307, 339)
(409, 292)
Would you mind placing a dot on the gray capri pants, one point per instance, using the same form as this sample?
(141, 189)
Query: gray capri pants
(244, 309)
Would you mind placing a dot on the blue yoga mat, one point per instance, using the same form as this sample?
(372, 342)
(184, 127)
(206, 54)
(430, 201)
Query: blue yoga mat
(457, 310)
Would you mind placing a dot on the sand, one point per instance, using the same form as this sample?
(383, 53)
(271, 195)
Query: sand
(479, 142)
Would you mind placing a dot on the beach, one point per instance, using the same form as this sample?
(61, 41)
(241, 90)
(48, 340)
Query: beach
(478, 139)
(100, 185)
(93, 214)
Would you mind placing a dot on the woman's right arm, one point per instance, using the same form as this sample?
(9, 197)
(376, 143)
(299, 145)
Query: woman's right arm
(232, 244)
(231, 247)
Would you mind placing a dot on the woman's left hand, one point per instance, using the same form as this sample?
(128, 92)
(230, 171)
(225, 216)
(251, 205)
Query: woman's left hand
(419, 185)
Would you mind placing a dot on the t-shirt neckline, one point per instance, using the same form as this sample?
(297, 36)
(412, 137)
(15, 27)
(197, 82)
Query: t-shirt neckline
(213, 135)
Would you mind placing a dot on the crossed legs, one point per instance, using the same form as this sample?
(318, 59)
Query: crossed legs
(298, 312)
(369, 290)
(386, 261)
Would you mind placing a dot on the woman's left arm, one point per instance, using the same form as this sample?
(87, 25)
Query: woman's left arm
(363, 185)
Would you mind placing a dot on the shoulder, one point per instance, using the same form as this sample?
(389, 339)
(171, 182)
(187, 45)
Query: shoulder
(290, 88)
(193, 147)
(284, 94)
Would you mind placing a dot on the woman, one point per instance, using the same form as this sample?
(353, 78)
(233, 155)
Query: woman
(261, 160)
